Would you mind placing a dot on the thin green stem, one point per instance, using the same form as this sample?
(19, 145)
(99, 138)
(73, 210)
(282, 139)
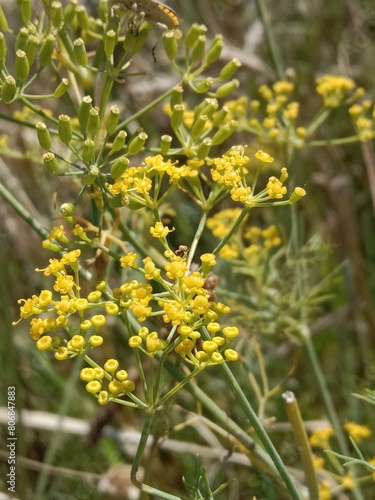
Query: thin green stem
(328, 403)
(232, 230)
(146, 431)
(196, 238)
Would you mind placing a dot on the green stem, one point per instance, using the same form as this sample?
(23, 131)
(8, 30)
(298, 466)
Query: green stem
(260, 431)
(196, 239)
(328, 403)
(232, 230)
(271, 42)
(146, 431)
(22, 212)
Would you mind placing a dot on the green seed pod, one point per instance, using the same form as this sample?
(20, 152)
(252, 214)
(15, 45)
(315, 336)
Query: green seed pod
(204, 148)
(119, 167)
(84, 111)
(3, 21)
(92, 175)
(112, 120)
(198, 50)
(8, 89)
(177, 116)
(3, 50)
(214, 51)
(88, 151)
(134, 40)
(70, 12)
(137, 143)
(21, 66)
(176, 96)
(21, 40)
(230, 69)
(204, 85)
(170, 45)
(210, 106)
(50, 162)
(56, 14)
(103, 10)
(110, 41)
(224, 133)
(62, 88)
(193, 34)
(220, 116)
(80, 52)
(93, 122)
(46, 51)
(165, 144)
(65, 129)
(227, 88)
(31, 46)
(44, 137)
(198, 126)
(82, 17)
(119, 141)
(25, 11)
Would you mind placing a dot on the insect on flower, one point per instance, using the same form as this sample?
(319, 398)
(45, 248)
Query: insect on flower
(153, 11)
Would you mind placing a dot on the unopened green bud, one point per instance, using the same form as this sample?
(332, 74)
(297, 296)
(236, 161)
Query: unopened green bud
(21, 66)
(56, 14)
(67, 209)
(84, 111)
(88, 151)
(50, 162)
(70, 12)
(103, 10)
(25, 11)
(170, 45)
(62, 88)
(193, 34)
(176, 96)
(230, 69)
(80, 52)
(214, 51)
(220, 117)
(227, 88)
(204, 148)
(44, 137)
(110, 40)
(112, 120)
(92, 175)
(31, 46)
(119, 167)
(137, 143)
(204, 85)
(177, 116)
(3, 20)
(21, 40)
(198, 126)
(119, 141)
(93, 122)
(8, 89)
(165, 144)
(198, 50)
(82, 17)
(224, 133)
(46, 51)
(297, 194)
(3, 49)
(65, 129)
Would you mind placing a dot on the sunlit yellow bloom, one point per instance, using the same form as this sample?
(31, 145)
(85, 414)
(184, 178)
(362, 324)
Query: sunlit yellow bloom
(356, 431)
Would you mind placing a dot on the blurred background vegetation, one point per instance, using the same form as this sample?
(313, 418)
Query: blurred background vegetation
(333, 229)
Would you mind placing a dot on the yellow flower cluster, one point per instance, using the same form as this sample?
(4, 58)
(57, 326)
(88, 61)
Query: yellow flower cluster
(357, 431)
(334, 89)
(118, 384)
(320, 437)
(363, 116)
(136, 183)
